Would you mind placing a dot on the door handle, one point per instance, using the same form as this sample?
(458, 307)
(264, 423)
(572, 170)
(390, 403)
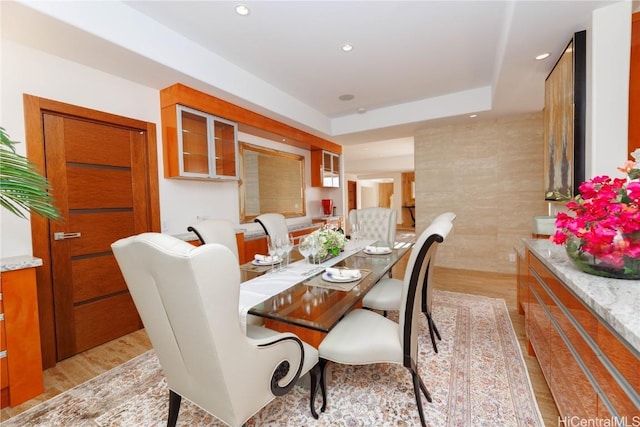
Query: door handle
(62, 236)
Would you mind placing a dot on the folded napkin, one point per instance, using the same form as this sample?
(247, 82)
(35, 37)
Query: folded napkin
(346, 273)
(266, 258)
(377, 249)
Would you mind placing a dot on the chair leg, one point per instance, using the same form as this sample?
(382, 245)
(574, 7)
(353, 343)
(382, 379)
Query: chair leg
(174, 408)
(417, 385)
(316, 376)
(323, 383)
(435, 328)
(423, 387)
(432, 328)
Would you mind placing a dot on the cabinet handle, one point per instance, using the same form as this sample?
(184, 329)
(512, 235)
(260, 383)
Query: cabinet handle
(62, 236)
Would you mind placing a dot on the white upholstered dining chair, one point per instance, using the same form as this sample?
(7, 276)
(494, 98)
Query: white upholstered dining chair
(274, 224)
(188, 299)
(216, 231)
(222, 231)
(386, 295)
(365, 337)
(375, 223)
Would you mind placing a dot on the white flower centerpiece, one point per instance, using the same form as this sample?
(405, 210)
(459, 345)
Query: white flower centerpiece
(331, 243)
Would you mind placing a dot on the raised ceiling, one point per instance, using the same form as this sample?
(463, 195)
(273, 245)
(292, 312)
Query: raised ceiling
(414, 63)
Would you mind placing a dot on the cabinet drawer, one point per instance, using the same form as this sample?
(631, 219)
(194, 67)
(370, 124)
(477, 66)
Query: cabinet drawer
(537, 327)
(4, 370)
(592, 373)
(4, 367)
(571, 388)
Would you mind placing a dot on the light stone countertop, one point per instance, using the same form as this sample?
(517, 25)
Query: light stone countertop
(248, 235)
(615, 301)
(19, 263)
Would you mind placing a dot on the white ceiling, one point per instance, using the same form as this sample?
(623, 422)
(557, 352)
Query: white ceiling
(414, 63)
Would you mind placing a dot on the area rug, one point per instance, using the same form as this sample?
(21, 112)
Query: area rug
(478, 378)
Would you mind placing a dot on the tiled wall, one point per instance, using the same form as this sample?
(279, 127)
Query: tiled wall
(490, 174)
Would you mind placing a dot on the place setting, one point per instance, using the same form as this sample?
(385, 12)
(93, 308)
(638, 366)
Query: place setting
(340, 278)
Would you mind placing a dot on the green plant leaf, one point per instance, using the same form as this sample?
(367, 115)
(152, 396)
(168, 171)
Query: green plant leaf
(22, 188)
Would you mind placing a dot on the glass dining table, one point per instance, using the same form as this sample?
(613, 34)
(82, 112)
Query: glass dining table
(305, 299)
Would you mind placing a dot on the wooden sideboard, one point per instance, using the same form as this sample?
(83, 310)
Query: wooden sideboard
(593, 372)
(21, 358)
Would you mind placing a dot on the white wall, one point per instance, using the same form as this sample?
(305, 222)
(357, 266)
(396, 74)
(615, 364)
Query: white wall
(608, 47)
(25, 70)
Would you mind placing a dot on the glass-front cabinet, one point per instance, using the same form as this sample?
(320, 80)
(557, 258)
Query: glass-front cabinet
(207, 146)
(325, 169)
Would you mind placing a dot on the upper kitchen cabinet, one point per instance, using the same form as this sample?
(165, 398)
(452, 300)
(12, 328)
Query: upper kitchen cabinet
(199, 145)
(199, 136)
(325, 169)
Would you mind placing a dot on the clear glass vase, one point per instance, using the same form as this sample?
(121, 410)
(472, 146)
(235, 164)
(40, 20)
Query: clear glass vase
(591, 264)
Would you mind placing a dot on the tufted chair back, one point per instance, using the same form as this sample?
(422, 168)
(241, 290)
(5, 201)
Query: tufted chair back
(187, 298)
(376, 223)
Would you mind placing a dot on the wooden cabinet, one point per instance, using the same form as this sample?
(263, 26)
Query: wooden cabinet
(522, 284)
(591, 372)
(325, 169)
(198, 145)
(20, 354)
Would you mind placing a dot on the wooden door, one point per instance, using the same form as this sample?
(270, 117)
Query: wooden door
(385, 193)
(103, 172)
(351, 196)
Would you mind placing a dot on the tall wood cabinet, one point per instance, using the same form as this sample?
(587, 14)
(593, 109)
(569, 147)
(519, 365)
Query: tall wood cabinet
(20, 355)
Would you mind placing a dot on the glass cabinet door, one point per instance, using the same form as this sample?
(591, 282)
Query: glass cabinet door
(336, 171)
(194, 143)
(207, 145)
(330, 169)
(225, 146)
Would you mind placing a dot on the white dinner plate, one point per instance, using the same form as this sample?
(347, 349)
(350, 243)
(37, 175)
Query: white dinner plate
(378, 252)
(263, 263)
(337, 279)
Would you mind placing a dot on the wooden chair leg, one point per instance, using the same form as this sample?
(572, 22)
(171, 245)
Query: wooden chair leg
(432, 329)
(417, 385)
(174, 408)
(323, 383)
(316, 377)
(435, 328)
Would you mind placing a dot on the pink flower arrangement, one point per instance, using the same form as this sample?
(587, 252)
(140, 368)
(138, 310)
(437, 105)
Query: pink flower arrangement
(603, 227)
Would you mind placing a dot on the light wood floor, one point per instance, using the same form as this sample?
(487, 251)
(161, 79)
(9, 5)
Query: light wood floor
(80, 368)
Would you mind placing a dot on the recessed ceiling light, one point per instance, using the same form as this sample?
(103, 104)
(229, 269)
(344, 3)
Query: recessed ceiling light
(242, 10)
(361, 110)
(473, 115)
(346, 97)
(543, 56)
(347, 47)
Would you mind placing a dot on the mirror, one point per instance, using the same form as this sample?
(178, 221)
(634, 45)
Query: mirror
(270, 181)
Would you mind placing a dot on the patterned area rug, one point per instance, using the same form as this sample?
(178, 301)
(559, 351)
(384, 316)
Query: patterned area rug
(478, 378)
